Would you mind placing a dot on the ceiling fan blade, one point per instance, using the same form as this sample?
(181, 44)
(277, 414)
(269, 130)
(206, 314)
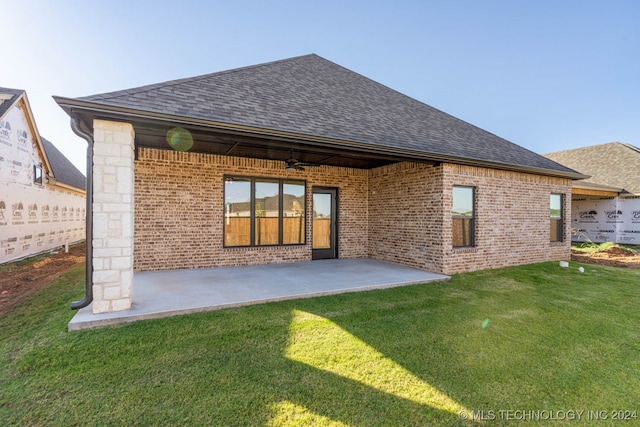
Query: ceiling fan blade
(292, 163)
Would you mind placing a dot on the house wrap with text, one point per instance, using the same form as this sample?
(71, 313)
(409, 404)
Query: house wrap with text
(42, 195)
(605, 207)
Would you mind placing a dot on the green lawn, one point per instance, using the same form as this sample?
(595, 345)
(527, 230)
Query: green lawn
(590, 247)
(555, 340)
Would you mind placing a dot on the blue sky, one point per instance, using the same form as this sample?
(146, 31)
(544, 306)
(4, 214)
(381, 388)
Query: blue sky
(547, 75)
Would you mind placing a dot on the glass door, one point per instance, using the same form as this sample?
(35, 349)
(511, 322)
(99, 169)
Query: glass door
(325, 230)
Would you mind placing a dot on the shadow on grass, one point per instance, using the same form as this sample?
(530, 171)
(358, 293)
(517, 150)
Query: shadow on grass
(534, 338)
(404, 356)
(232, 367)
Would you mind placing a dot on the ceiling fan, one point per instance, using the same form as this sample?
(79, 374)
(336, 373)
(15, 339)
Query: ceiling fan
(293, 165)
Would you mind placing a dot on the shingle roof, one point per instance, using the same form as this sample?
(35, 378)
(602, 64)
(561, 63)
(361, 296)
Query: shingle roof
(15, 94)
(63, 170)
(312, 96)
(613, 164)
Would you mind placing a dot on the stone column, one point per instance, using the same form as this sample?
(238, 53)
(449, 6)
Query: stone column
(113, 155)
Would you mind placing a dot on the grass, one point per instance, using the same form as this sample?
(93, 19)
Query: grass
(592, 247)
(556, 340)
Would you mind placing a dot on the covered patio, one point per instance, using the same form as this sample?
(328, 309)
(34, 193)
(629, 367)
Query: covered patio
(168, 293)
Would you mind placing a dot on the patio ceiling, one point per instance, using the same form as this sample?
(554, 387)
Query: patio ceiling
(218, 138)
(231, 143)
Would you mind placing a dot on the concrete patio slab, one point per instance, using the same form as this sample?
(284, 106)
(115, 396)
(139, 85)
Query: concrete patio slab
(167, 293)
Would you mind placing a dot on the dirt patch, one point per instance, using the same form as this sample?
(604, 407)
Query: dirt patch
(613, 257)
(17, 284)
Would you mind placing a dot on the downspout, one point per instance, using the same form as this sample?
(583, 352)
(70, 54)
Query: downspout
(88, 279)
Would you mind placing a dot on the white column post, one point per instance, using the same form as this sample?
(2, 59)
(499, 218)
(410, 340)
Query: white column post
(113, 155)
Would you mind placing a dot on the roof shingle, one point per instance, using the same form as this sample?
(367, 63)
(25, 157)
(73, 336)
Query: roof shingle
(63, 170)
(312, 96)
(613, 164)
(14, 93)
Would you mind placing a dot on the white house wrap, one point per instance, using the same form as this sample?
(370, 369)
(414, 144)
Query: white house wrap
(39, 209)
(606, 219)
(605, 207)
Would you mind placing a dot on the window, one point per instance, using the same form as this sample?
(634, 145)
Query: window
(267, 212)
(556, 216)
(293, 229)
(37, 174)
(463, 215)
(263, 212)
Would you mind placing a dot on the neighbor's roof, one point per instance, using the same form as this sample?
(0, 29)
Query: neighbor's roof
(8, 97)
(63, 170)
(613, 164)
(316, 99)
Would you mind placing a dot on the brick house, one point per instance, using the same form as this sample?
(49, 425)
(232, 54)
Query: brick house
(303, 159)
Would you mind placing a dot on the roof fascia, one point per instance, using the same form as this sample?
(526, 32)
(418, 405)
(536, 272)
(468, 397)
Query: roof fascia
(632, 147)
(71, 105)
(26, 107)
(71, 188)
(596, 193)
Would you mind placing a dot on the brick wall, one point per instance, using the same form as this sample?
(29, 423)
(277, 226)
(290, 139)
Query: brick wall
(398, 213)
(410, 217)
(179, 210)
(405, 215)
(512, 219)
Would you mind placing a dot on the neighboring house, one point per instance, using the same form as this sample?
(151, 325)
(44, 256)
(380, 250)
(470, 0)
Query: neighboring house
(211, 171)
(605, 207)
(42, 195)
